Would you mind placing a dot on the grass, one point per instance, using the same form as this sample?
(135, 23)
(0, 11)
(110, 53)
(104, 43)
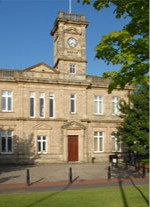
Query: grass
(122, 196)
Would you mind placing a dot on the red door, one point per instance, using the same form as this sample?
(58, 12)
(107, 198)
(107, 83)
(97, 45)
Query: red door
(72, 148)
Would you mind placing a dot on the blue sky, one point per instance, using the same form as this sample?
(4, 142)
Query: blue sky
(25, 27)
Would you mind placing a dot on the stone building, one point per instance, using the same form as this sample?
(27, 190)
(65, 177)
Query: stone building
(58, 114)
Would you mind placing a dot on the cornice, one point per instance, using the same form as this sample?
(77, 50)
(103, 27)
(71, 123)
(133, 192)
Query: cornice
(69, 59)
(32, 119)
(102, 121)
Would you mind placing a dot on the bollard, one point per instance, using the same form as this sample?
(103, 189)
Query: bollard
(143, 171)
(93, 159)
(109, 173)
(28, 177)
(70, 175)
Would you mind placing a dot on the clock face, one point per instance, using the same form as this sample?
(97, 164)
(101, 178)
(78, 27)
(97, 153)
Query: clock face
(72, 42)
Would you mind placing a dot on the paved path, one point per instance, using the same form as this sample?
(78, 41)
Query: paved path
(56, 177)
(52, 172)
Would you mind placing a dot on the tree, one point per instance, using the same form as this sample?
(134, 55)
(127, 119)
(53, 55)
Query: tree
(134, 130)
(128, 47)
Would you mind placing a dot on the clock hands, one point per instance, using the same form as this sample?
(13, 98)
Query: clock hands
(72, 42)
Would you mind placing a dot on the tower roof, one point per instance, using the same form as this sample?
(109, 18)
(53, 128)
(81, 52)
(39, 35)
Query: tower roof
(69, 18)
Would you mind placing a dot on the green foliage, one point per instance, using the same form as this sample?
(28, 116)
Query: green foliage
(145, 161)
(134, 130)
(128, 47)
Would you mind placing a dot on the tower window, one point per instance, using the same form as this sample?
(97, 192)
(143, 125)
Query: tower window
(72, 68)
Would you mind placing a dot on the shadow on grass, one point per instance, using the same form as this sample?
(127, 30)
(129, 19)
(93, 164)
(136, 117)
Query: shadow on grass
(123, 193)
(142, 194)
(53, 194)
(125, 203)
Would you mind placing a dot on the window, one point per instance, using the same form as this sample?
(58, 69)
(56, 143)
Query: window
(51, 105)
(116, 145)
(32, 104)
(98, 141)
(6, 141)
(98, 104)
(6, 101)
(41, 144)
(115, 105)
(72, 68)
(72, 103)
(41, 105)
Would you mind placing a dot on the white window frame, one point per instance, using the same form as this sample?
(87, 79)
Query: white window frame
(6, 134)
(51, 101)
(116, 146)
(6, 96)
(115, 105)
(72, 68)
(73, 101)
(99, 136)
(32, 96)
(98, 105)
(42, 141)
(41, 108)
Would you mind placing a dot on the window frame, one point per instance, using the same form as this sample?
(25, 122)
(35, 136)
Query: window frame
(51, 102)
(100, 139)
(42, 105)
(5, 99)
(32, 96)
(98, 105)
(72, 69)
(6, 136)
(116, 146)
(115, 105)
(41, 141)
(73, 103)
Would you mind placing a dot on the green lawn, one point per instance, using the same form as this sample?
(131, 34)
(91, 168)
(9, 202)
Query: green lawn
(128, 196)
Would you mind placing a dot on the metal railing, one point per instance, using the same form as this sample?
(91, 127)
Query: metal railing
(70, 16)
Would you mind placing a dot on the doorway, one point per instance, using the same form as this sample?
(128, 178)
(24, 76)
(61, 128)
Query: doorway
(72, 147)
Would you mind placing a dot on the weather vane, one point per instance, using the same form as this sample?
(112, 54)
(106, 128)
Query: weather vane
(69, 6)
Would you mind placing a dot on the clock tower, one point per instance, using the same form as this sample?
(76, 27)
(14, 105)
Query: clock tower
(69, 33)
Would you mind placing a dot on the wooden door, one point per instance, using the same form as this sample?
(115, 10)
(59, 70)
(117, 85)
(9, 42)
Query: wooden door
(73, 148)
